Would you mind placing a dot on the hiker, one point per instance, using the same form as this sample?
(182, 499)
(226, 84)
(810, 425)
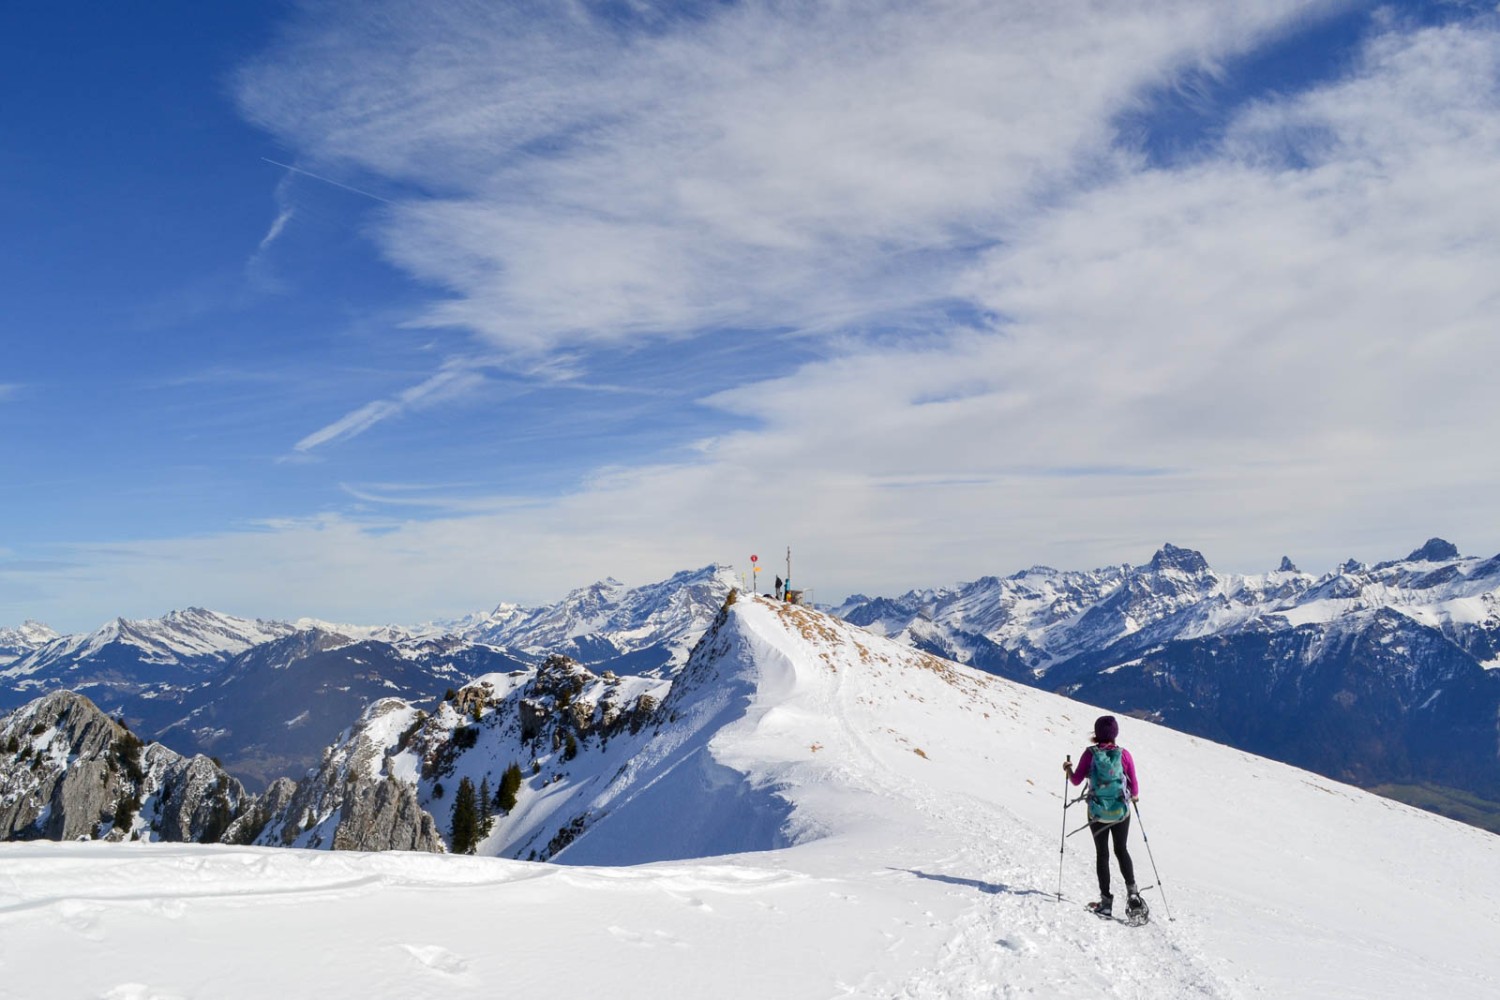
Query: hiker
(1111, 774)
(778, 588)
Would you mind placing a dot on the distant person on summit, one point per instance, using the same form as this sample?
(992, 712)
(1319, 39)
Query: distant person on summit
(1111, 774)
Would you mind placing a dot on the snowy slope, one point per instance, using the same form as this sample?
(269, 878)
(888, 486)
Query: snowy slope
(22, 640)
(187, 639)
(1379, 675)
(920, 807)
(629, 629)
(1047, 617)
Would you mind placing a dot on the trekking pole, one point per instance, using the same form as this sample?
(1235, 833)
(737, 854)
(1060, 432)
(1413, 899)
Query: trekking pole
(1063, 844)
(1147, 841)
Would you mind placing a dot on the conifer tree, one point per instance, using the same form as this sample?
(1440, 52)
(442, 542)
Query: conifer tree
(465, 830)
(126, 810)
(510, 787)
(486, 814)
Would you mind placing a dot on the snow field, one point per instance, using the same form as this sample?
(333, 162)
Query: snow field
(922, 809)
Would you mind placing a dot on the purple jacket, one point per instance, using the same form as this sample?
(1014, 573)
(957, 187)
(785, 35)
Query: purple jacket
(1086, 764)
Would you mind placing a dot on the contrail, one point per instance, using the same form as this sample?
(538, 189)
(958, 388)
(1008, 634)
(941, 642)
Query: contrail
(325, 180)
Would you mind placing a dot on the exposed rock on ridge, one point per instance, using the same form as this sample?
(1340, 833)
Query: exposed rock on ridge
(68, 771)
(351, 802)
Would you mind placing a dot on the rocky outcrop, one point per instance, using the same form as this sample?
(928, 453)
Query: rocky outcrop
(384, 816)
(351, 803)
(248, 828)
(567, 697)
(60, 777)
(195, 800)
(68, 772)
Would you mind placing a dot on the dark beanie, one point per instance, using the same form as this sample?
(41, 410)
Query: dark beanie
(1106, 728)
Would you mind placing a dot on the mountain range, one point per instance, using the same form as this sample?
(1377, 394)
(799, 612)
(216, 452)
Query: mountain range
(1384, 676)
(265, 698)
(807, 810)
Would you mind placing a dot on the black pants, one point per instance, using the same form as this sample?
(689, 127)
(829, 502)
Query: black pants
(1103, 834)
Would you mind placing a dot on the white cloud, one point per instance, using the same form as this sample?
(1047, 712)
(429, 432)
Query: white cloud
(771, 164)
(1288, 344)
(277, 225)
(1283, 346)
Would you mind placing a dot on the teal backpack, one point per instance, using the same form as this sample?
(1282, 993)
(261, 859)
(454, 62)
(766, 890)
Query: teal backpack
(1108, 802)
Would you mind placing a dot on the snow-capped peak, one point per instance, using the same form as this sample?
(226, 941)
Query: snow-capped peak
(610, 618)
(830, 814)
(176, 638)
(29, 636)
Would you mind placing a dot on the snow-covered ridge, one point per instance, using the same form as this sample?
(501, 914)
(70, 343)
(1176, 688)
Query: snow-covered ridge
(620, 619)
(1398, 659)
(1045, 616)
(23, 639)
(177, 638)
(895, 820)
(605, 618)
(239, 689)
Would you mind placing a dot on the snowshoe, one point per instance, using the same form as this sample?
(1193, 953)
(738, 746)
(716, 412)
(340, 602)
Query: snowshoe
(1104, 908)
(1136, 910)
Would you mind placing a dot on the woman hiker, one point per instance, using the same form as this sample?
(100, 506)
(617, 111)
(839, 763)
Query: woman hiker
(1111, 774)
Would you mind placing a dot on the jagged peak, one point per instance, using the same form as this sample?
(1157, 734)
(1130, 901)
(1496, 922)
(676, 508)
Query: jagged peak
(33, 627)
(701, 573)
(1287, 566)
(1435, 550)
(1170, 556)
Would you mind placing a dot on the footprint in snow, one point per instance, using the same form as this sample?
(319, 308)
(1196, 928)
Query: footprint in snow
(172, 909)
(82, 917)
(438, 958)
(649, 940)
(137, 991)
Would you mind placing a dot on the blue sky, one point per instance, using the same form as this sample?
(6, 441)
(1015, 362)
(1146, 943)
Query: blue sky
(384, 311)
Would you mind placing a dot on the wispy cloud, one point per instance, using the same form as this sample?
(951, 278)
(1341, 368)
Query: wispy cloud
(613, 173)
(277, 225)
(448, 384)
(9, 391)
(1251, 351)
(1281, 343)
(258, 269)
(450, 498)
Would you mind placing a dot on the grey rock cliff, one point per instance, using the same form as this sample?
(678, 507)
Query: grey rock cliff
(68, 772)
(350, 803)
(384, 816)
